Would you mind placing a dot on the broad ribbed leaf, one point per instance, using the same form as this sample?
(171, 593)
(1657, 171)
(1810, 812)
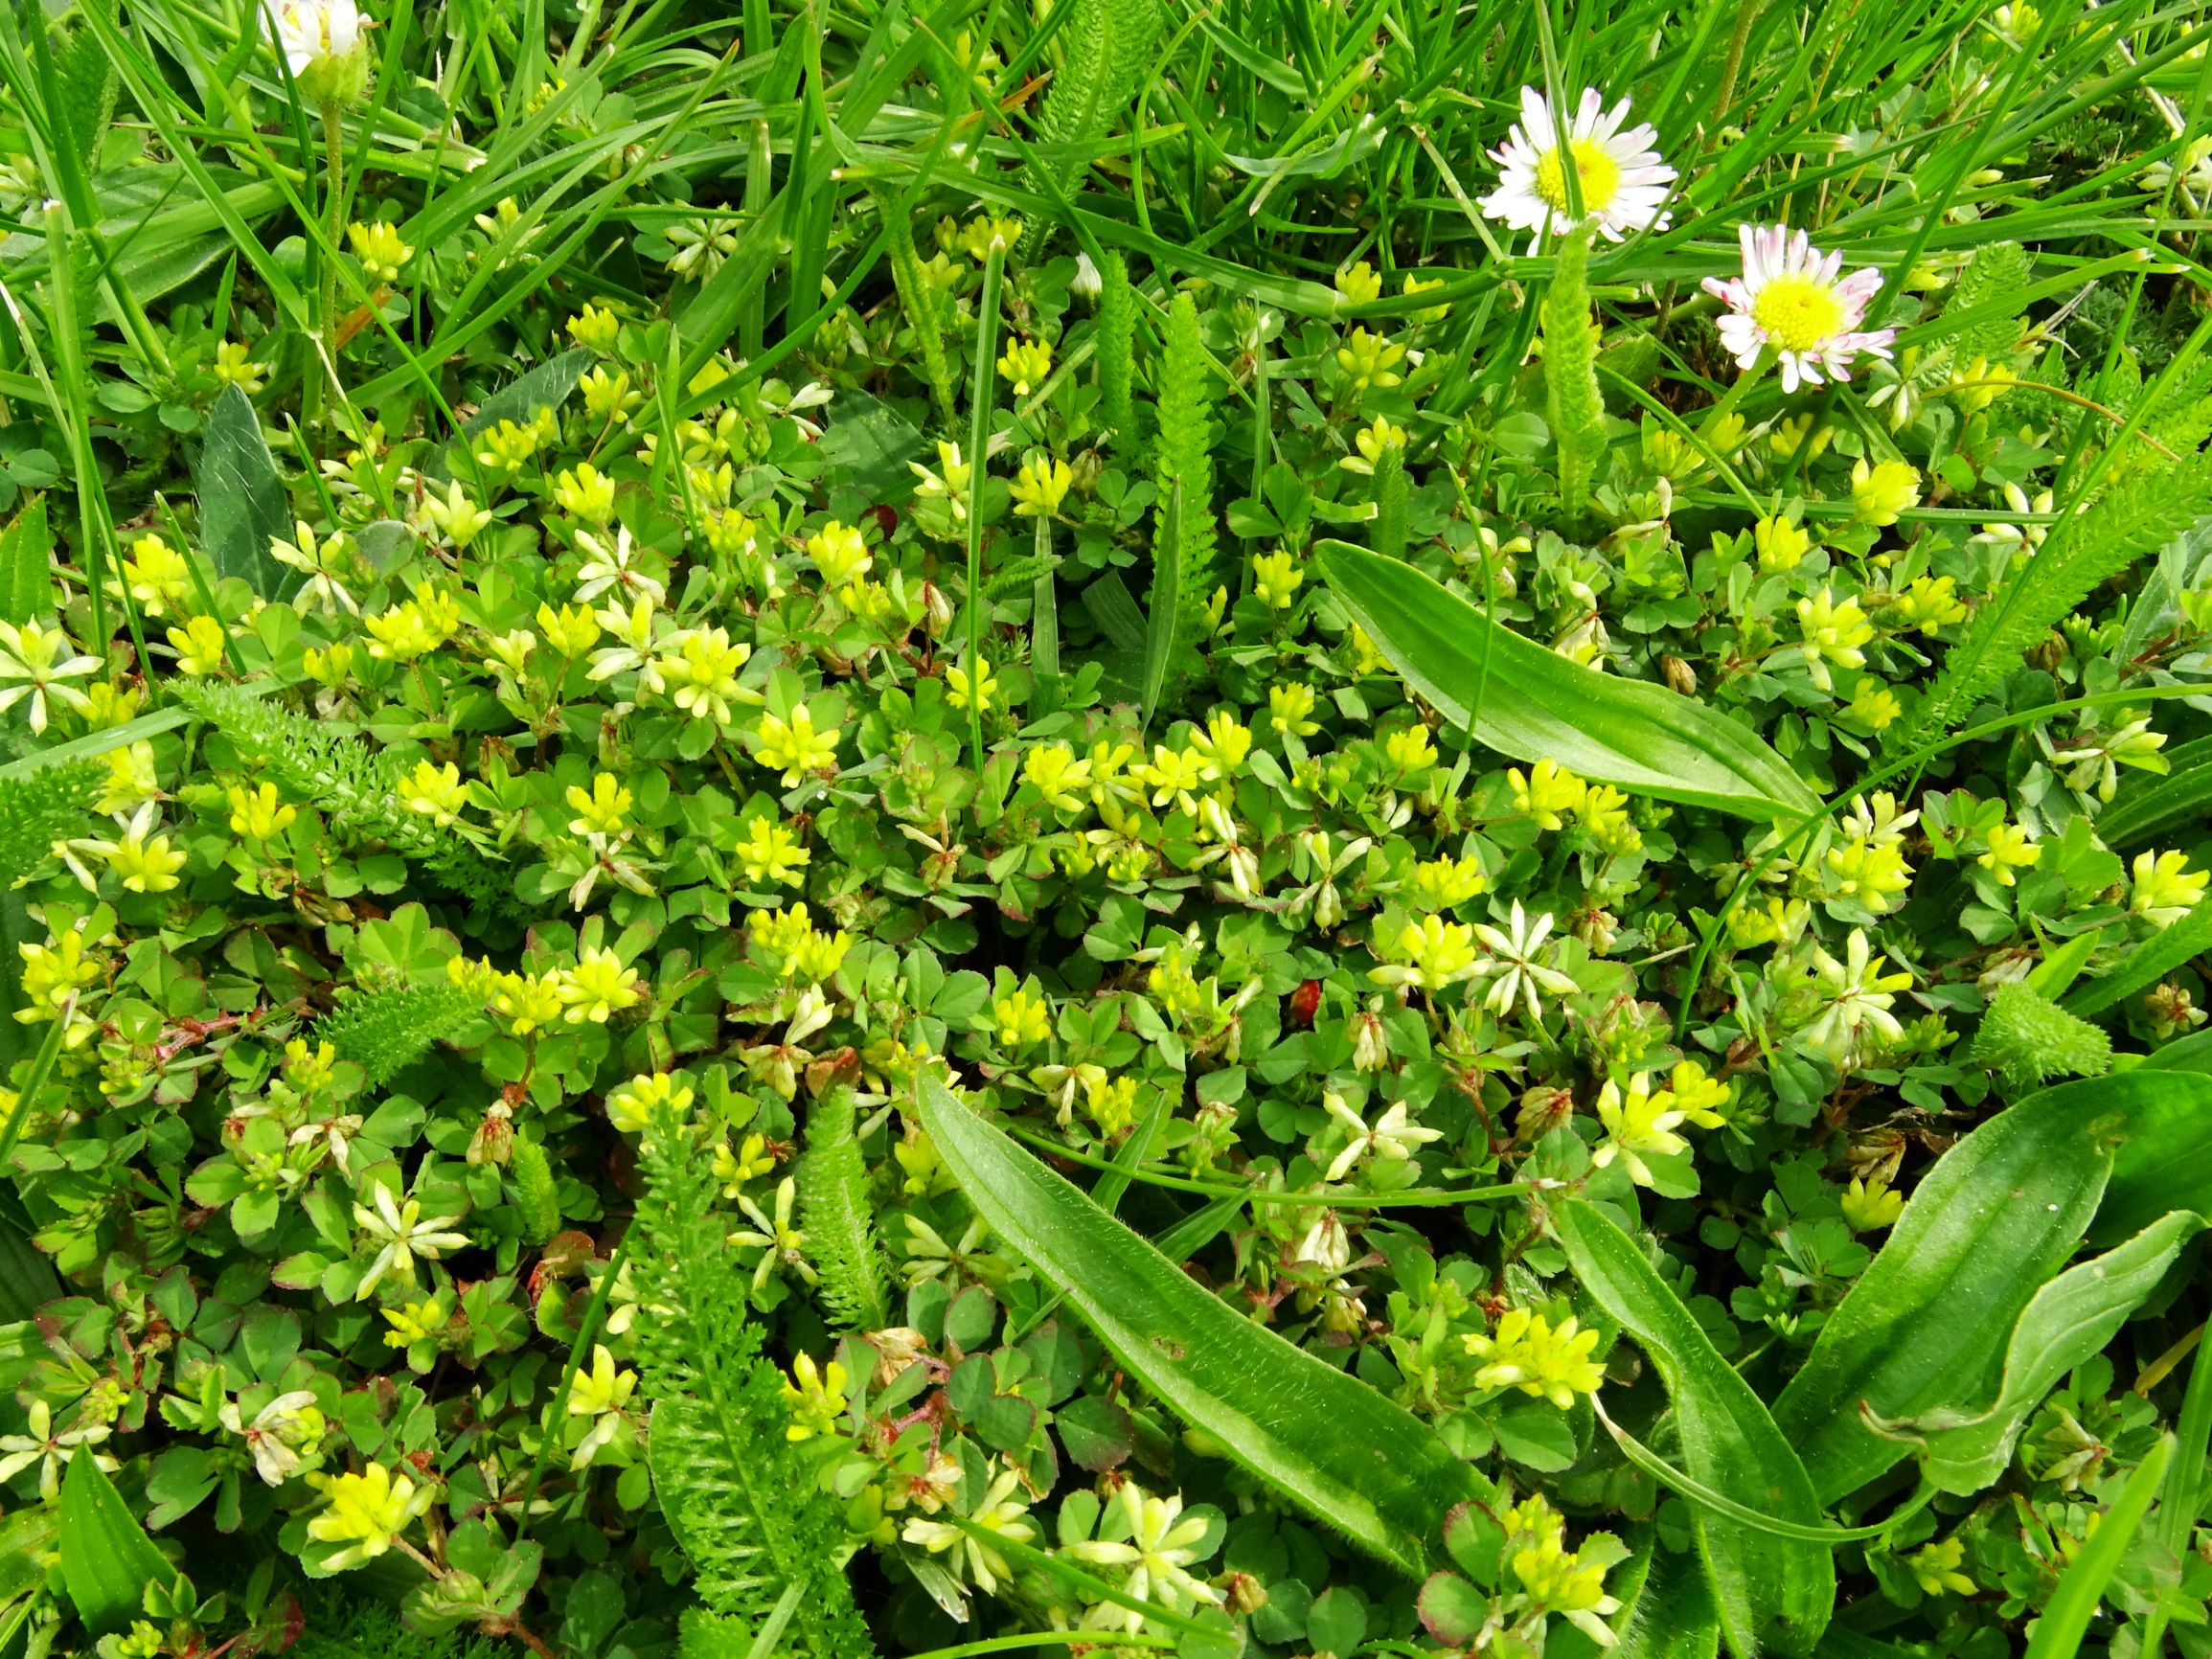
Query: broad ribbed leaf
(242, 499)
(106, 1558)
(1320, 1438)
(1669, 1613)
(2148, 805)
(2069, 1320)
(1537, 705)
(1765, 1587)
(2165, 1161)
(1925, 1326)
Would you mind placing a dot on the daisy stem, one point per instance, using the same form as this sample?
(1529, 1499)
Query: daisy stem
(978, 454)
(1730, 399)
(333, 226)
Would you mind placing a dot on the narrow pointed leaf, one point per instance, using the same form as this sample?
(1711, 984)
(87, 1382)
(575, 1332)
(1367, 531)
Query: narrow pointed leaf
(1537, 705)
(1320, 1436)
(1766, 1588)
(1925, 1325)
(2066, 1616)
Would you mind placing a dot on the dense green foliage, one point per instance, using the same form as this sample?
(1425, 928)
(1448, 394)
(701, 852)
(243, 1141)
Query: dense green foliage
(1105, 827)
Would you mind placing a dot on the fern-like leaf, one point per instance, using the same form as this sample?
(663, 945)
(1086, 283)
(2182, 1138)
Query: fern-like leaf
(1117, 344)
(1997, 275)
(2083, 552)
(833, 1200)
(1183, 456)
(2027, 1039)
(356, 787)
(918, 301)
(741, 1499)
(40, 808)
(536, 1195)
(1576, 407)
(383, 1030)
(1107, 47)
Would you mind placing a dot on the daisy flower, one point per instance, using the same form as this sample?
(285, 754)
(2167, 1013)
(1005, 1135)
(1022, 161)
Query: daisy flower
(1790, 297)
(1624, 183)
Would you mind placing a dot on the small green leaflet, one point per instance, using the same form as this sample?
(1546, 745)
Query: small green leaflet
(1320, 1436)
(1537, 705)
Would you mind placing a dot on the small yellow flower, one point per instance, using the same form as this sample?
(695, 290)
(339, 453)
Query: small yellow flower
(1528, 1354)
(1377, 436)
(1276, 580)
(586, 491)
(258, 813)
(1637, 1125)
(380, 249)
(1370, 360)
(1936, 1566)
(631, 1107)
(1931, 602)
(1409, 749)
(816, 1396)
(1026, 363)
(1446, 883)
(839, 552)
(1040, 486)
(1022, 1018)
(602, 809)
(595, 327)
(2010, 848)
(751, 1159)
(1834, 632)
(608, 396)
(1359, 284)
(1434, 952)
(597, 987)
(2166, 888)
(198, 646)
(957, 693)
(1781, 544)
(770, 852)
(1290, 708)
(368, 1512)
(435, 792)
(1874, 705)
(144, 861)
(414, 1321)
(572, 630)
(1884, 490)
(156, 575)
(1868, 1207)
(1060, 776)
(530, 1001)
(1547, 790)
(983, 230)
(794, 747)
(233, 366)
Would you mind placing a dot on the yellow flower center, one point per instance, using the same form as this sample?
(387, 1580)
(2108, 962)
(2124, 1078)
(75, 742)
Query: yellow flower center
(1797, 312)
(1597, 173)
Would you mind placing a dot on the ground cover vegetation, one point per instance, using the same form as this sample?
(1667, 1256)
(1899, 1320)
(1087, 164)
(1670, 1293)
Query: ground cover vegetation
(1280, 827)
